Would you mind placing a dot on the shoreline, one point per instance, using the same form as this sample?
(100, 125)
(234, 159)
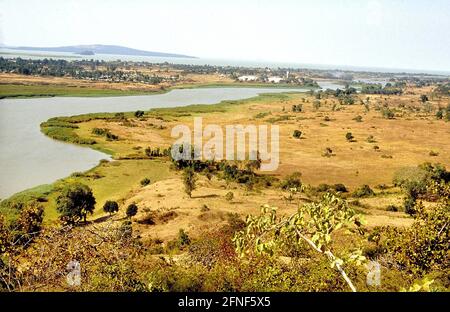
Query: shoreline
(98, 92)
(36, 191)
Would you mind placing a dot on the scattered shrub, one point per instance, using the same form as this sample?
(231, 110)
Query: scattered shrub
(189, 180)
(111, 137)
(423, 98)
(358, 118)
(292, 181)
(262, 115)
(327, 152)
(341, 188)
(99, 131)
(297, 108)
(349, 136)
(145, 181)
(119, 116)
(387, 113)
(148, 219)
(139, 113)
(382, 186)
(371, 139)
(297, 134)
(316, 104)
(106, 133)
(183, 238)
(229, 196)
(363, 191)
(392, 208)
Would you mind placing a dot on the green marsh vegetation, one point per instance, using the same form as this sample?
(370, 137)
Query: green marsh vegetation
(24, 91)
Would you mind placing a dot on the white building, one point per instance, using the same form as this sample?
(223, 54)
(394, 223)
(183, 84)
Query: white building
(247, 78)
(274, 79)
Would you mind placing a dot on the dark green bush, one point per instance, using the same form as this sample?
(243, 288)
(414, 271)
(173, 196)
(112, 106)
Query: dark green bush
(110, 206)
(145, 181)
(292, 181)
(139, 114)
(349, 136)
(392, 208)
(297, 134)
(363, 191)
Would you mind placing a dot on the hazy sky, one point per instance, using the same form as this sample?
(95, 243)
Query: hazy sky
(380, 33)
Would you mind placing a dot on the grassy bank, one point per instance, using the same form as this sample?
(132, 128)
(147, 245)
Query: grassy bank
(78, 129)
(26, 91)
(65, 128)
(244, 85)
(108, 181)
(44, 90)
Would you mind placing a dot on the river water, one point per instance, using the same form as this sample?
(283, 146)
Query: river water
(28, 158)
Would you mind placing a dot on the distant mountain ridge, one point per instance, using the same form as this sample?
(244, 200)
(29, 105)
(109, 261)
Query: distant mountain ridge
(103, 49)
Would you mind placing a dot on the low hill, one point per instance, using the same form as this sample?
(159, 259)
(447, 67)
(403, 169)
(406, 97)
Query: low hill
(103, 49)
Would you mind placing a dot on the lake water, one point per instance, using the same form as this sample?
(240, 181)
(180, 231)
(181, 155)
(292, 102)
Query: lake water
(28, 158)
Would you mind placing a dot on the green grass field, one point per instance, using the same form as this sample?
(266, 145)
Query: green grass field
(25, 91)
(109, 181)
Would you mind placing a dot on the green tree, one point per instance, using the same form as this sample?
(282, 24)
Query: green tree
(229, 196)
(292, 181)
(75, 202)
(297, 134)
(189, 180)
(423, 98)
(183, 238)
(314, 224)
(132, 210)
(349, 136)
(139, 114)
(423, 246)
(363, 191)
(110, 207)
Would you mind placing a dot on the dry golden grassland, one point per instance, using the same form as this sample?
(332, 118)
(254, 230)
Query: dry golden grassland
(164, 208)
(406, 140)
